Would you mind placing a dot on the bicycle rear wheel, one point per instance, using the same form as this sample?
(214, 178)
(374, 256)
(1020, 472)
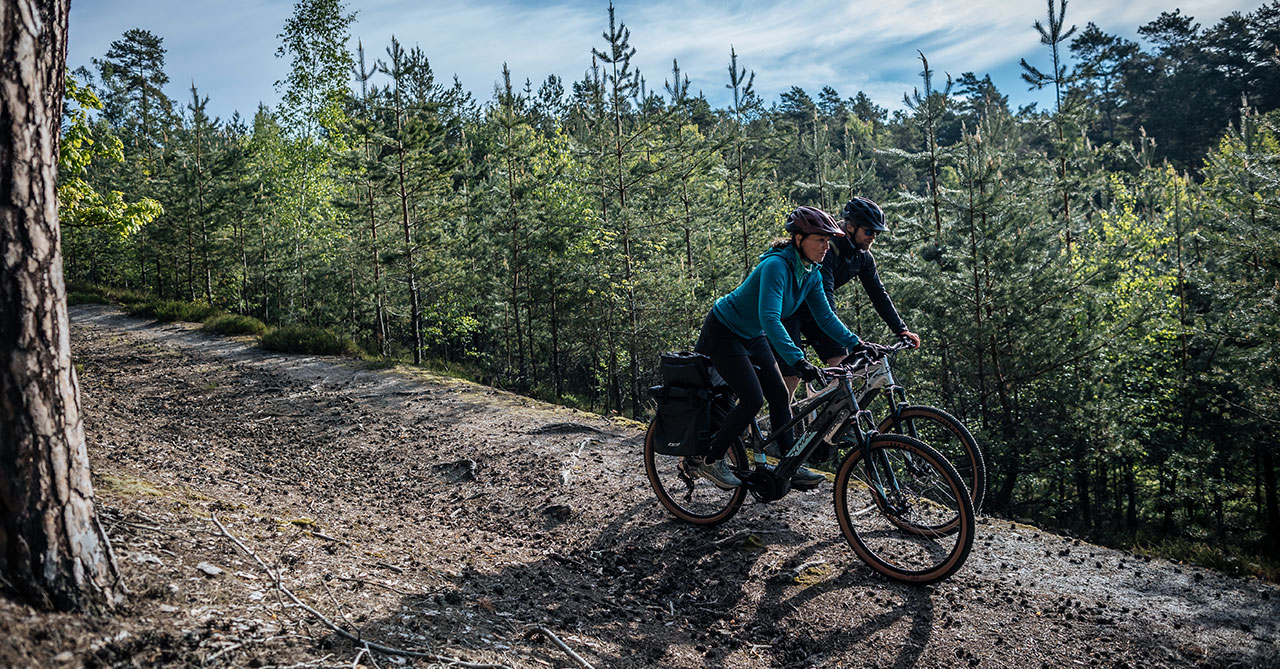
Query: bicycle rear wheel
(692, 498)
(903, 510)
(948, 436)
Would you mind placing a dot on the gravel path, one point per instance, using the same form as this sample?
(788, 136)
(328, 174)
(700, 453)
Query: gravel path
(469, 523)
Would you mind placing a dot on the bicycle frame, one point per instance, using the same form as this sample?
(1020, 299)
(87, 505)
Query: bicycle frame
(835, 405)
(880, 378)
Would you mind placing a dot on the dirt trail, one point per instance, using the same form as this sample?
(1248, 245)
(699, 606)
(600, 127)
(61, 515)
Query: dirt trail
(437, 515)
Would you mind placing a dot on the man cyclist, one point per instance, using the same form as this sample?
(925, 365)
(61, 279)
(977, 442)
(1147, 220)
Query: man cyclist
(850, 256)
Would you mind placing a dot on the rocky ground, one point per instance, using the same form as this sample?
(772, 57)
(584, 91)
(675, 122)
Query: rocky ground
(259, 503)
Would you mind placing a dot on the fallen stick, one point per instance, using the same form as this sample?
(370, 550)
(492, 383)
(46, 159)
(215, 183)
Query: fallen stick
(140, 526)
(225, 649)
(565, 647)
(380, 585)
(392, 567)
(321, 535)
(387, 650)
(335, 601)
(744, 537)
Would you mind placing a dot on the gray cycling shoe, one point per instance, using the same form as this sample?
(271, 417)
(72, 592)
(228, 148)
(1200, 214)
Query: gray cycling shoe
(806, 479)
(716, 472)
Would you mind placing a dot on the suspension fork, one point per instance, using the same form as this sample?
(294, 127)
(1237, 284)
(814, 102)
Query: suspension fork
(880, 475)
(884, 481)
(897, 402)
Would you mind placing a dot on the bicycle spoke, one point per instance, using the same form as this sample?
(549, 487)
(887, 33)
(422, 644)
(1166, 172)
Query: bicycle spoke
(947, 436)
(687, 495)
(904, 511)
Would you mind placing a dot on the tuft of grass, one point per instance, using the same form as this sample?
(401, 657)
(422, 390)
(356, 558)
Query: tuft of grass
(373, 362)
(233, 324)
(307, 339)
(86, 297)
(126, 486)
(173, 310)
(1215, 557)
(125, 296)
(92, 293)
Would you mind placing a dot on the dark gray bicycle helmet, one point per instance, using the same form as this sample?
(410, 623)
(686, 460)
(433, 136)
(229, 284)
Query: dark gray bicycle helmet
(812, 221)
(861, 212)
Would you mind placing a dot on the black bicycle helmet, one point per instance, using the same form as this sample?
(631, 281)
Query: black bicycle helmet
(812, 221)
(861, 212)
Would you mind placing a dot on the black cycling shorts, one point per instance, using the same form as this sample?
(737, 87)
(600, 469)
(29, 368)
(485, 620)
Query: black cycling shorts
(801, 324)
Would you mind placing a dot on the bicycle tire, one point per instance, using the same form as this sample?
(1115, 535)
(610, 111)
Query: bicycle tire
(936, 525)
(948, 436)
(890, 533)
(696, 500)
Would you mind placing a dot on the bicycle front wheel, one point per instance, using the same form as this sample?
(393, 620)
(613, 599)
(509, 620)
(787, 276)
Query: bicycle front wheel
(688, 496)
(948, 436)
(903, 510)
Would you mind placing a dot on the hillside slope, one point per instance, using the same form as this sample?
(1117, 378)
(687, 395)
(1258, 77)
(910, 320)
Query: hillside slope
(487, 529)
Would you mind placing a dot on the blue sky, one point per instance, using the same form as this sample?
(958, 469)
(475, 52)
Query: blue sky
(228, 47)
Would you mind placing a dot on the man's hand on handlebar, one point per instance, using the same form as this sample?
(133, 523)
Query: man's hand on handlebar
(907, 335)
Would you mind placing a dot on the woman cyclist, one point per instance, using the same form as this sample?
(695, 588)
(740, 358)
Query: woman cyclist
(738, 331)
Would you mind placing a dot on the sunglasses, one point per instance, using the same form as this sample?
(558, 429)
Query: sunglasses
(870, 232)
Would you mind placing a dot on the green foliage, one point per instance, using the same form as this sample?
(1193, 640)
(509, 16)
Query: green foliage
(172, 310)
(86, 297)
(314, 38)
(1214, 556)
(234, 324)
(308, 339)
(124, 295)
(79, 203)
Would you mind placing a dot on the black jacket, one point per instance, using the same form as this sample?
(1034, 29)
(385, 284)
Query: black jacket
(845, 261)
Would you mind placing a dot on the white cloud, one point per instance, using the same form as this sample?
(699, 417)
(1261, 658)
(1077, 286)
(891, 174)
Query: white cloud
(228, 47)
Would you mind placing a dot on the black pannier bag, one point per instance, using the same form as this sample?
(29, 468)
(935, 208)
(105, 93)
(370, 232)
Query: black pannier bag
(683, 423)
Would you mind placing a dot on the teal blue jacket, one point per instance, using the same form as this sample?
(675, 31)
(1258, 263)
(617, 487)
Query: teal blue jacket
(778, 285)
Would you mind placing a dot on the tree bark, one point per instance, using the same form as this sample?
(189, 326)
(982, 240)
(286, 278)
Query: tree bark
(53, 551)
(1272, 504)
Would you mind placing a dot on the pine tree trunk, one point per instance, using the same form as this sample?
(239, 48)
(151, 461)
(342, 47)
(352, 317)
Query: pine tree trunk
(52, 548)
(415, 305)
(555, 337)
(978, 298)
(207, 270)
(191, 259)
(1272, 504)
(159, 278)
(742, 216)
(380, 318)
(514, 218)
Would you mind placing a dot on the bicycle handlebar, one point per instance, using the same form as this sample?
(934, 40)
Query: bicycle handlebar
(851, 365)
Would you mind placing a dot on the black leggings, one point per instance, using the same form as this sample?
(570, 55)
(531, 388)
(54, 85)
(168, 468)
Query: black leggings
(733, 357)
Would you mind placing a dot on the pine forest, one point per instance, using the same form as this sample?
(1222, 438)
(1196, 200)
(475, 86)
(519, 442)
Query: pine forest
(1096, 281)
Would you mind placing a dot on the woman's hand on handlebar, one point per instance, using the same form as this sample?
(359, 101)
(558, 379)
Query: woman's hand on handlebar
(807, 371)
